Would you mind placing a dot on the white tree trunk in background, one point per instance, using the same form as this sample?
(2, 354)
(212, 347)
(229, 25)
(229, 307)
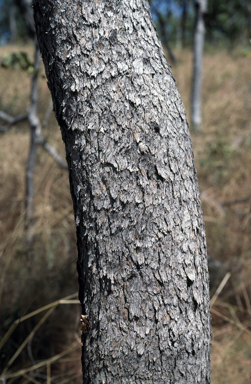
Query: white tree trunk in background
(199, 37)
(12, 23)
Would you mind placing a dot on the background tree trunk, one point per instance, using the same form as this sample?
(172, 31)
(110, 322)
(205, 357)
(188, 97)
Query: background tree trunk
(25, 7)
(163, 20)
(184, 22)
(142, 252)
(199, 37)
(12, 23)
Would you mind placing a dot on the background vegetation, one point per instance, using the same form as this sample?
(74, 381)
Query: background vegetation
(46, 272)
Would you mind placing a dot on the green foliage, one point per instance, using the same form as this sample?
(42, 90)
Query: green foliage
(21, 28)
(228, 21)
(246, 52)
(17, 60)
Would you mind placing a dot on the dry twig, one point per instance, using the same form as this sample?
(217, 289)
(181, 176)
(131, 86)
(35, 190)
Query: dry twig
(219, 289)
(10, 120)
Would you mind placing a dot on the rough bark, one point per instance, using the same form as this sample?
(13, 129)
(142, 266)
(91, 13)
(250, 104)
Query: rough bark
(199, 37)
(142, 252)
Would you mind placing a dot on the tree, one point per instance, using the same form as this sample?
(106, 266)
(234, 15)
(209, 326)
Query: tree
(162, 22)
(184, 5)
(16, 20)
(25, 7)
(199, 37)
(12, 23)
(229, 22)
(142, 254)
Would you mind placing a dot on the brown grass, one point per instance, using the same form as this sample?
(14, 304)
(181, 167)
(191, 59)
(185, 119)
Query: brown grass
(32, 279)
(222, 150)
(223, 157)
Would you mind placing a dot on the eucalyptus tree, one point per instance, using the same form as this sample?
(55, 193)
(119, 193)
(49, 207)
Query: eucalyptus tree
(143, 278)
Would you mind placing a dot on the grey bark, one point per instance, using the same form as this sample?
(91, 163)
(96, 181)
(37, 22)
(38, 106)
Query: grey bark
(142, 252)
(30, 165)
(199, 37)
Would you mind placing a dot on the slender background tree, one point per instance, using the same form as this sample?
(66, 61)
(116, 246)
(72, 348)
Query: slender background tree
(199, 38)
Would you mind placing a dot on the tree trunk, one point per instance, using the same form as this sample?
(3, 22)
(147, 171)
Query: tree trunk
(12, 23)
(25, 7)
(31, 161)
(199, 37)
(142, 253)
(163, 32)
(184, 22)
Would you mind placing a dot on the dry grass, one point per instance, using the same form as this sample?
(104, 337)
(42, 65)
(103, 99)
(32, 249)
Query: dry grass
(231, 356)
(223, 158)
(222, 150)
(47, 272)
(32, 279)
